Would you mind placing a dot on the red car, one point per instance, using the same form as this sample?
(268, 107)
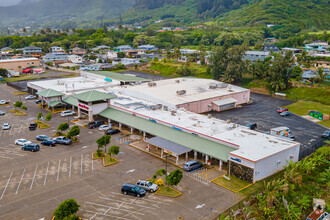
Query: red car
(280, 110)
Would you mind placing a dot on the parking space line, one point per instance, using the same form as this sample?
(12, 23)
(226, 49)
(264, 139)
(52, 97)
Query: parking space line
(5, 157)
(12, 128)
(150, 200)
(46, 174)
(58, 170)
(1, 132)
(108, 210)
(81, 163)
(19, 131)
(70, 167)
(126, 203)
(93, 216)
(34, 176)
(125, 210)
(92, 165)
(84, 210)
(19, 184)
(4, 190)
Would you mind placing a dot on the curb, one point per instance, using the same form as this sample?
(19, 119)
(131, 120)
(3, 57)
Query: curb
(205, 172)
(109, 164)
(93, 158)
(155, 155)
(213, 181)
(180, 193)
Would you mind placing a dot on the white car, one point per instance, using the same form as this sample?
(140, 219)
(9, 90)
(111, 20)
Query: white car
(6, 126)
(30, 97)
(22, 142)
(105, 127)
(67, 113)
(2, 102)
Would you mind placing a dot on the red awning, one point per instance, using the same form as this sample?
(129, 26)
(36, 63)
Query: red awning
(27, 71)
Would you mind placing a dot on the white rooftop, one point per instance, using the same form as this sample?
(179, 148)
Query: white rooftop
(252, 145)
(20, 59)
(165, 91)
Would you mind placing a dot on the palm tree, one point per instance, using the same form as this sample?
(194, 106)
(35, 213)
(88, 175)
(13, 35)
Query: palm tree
(321, 76)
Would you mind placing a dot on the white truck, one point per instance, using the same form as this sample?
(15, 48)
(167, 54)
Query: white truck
(283, 132)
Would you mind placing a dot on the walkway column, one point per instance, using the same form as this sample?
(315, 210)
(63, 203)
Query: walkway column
(132, 129)
(177, 160)
(206, 158)
(162, 153)
(220, 164)
(119, 126)
(186, 156)
(148, 148)
(144, 136)
(195, 155)
(109, 121)
(79, 113)
(90, 116)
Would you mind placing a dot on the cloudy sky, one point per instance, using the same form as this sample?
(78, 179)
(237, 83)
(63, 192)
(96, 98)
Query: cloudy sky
(9, 2)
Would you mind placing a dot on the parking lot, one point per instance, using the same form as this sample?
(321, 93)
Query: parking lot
(33, 184)
(263, 111)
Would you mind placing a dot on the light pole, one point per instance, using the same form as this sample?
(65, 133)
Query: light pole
(166, 168)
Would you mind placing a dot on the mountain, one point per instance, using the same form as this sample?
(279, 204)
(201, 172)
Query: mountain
(80, 11)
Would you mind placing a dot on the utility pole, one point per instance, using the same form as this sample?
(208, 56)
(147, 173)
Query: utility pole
(166, 168)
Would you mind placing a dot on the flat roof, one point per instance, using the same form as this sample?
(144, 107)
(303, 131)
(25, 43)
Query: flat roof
(19, 59)
(178, 149)
(165, 91)
(251, 145)
(120, 76)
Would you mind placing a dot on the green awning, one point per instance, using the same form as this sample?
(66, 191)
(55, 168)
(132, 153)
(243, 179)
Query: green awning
(48, 93)
(55, 103)
(150, 126)
(71, 101)
(93, 96)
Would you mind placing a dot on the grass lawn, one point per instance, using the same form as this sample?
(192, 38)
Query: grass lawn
(163, 191)
(95, 156)
(42, 125)
(309, 94)
(18, 112)
(235, 184)
(107, 161)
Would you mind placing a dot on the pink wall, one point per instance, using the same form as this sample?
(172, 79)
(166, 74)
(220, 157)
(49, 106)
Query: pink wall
(202, 105)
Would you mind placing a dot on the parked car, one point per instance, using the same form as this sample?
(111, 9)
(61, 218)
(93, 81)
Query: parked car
(42, 137)
(192, 165)
(62, 140)
(6, 126)
(38, 101)
(33, 126)
(2, 102)
(250, 125)
(105, 127)
(285, 113)
(67, 113)
(280, 110)
(31, 147)
(50, 143)
(2, 113)
(111, 132)
(326, 134)
(132, 189)
(29, 97)
(22, 142)
(147, 185)
(95, 124)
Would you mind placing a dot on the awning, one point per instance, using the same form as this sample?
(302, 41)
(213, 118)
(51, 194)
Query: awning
(27, 71)
(168, 145)
(55, 103)
(224, 101)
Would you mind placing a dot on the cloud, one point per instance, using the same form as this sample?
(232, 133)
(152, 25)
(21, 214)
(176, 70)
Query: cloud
(9, 2)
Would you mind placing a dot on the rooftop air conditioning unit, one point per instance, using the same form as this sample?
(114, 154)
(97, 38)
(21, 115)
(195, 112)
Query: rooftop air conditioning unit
(222, 85)
(212, 86)
(177, 81)
(165, 108)
(151, 84)
(181, 92)
(155, 107)
(209, 115)
(173, 111)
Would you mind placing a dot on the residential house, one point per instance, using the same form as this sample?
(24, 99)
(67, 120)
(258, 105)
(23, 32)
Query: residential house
(317, 46)
(322, 64)
(101, 47)
(135, 53)
(256, 55)
(271, 47)
(6, 51)
(54, 57)
(127, 61)
(57, 49)
(148, 47)
(308, 75)
(75, 59)
(92, 67)
(123, 48)
(270, 40)
(32, 51)
(294, 50)
(78, 51)
(188, 51)
(112, 55)
(167, 28)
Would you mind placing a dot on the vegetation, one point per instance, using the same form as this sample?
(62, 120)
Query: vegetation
(113, 150)
(62, 127)
(174, 178)
(42, 125)
(103, 142)
(167, 191)
(48, 116)
(67, 210)
(74, 131)
(159, 173)
(109, 161)
(24, 107)
(235, 184)
(17, 104)
(39, 116)
(309, 94)
(18, 112)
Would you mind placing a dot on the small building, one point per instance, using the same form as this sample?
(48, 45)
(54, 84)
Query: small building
(167, 28)
(101, 47)
(270, 40)
(92, 67)
(32, 51)
(78, 51)
(256, 55)
(308, 75)
(127, 61)
(112, 55)
(57, 49)
(317, 46)
(322, 64)
(6, 50)
(294, 50)
(271, 47)
(51, 98)
(75, 59)
(19, 64)
(148, 47)
(123, 48)
(188, 51)
(136, 53)
(54, 57)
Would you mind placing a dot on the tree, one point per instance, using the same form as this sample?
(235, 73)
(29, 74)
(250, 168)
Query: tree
(48, 116)
(24, 107)
(74, 131)
(17, 104)
(3, 73)
(103, 141)
(62, 127)
(39, 116)
(174, 178)
(113, 150)
(184, 70)
(66, 208)
(321, 75)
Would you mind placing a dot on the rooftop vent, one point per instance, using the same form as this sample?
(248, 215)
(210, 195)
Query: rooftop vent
(222, 85)
(181, 92)
(228, 121)
(155, 107)
(209, 115)
(177, 81)
(165, 108)
(213, 86)
(152, 84)
(173, 111)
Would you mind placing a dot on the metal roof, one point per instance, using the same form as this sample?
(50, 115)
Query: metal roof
(93, 96)
(194, 142)
(55, 103)
(71, 101)
(224, 101)
(178, 149)
(48, 93)
(120, 76)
